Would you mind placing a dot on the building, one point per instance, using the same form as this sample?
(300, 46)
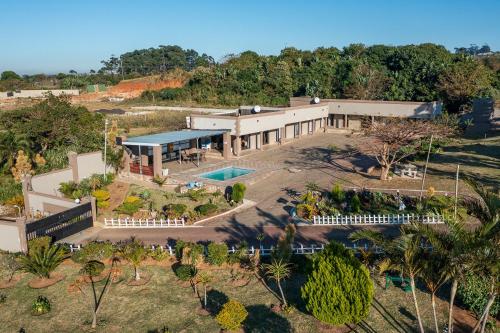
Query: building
(254, 127)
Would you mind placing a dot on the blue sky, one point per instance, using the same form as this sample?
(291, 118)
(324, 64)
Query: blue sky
(58, 35)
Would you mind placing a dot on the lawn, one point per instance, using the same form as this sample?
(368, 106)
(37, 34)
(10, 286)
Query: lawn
(165, 302)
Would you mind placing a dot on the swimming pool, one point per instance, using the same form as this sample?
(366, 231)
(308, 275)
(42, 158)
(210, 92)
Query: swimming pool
(226, 173)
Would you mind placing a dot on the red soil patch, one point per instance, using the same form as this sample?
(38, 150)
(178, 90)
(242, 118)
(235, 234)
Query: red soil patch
(39, 283)
(9, 284)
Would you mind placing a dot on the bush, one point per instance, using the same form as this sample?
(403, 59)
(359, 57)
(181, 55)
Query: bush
(43, 260)
(174, 211)
(101, 195)
(196, 195)
(158, 254)
(36, 244)
(185, 272)
(179, 247)
(3, 298)
(338, 194)
(145, 195)
(40, 306)
(355, 204)
(217, 253)
(9, 188)
(305, 211)
(238, 192)
(338, 289)
(159, 180)
(130, 205)
(232, 315)
(93, 268)
(98, 251)
(474, 294)
(206, 209)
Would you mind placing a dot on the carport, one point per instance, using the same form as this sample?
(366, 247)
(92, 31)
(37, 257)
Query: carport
(148, 152)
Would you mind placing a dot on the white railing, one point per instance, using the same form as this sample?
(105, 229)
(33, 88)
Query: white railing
(376, 219)
(143, 223)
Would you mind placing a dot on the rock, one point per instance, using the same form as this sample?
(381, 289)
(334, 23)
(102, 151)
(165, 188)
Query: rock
(294, 170)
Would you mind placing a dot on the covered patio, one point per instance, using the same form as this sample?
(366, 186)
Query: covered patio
(149, 154)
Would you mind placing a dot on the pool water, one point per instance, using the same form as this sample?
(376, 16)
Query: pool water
(226, 173)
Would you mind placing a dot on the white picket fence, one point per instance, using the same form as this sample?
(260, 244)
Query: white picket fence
(376, 219)
(143, 223)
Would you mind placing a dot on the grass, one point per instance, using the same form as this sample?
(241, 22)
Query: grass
(164, 302)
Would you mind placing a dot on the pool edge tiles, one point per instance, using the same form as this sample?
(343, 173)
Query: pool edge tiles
(212, 175)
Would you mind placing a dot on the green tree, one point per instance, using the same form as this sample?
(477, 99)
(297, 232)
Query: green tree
(402, 253)
(338, 288)
(204, 278)
(9, 75)
(278, 270)
(134, 252)
(238, 192)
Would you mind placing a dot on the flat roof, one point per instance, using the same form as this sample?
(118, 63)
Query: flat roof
(170, 137)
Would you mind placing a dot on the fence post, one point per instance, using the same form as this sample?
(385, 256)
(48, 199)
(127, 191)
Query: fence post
(312, 248)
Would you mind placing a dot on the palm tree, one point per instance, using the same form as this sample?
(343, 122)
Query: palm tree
(134, 252)
(402, 253)
(278, 270)
(42, 261)
(204, 278)
(434, 276)
(10, 144)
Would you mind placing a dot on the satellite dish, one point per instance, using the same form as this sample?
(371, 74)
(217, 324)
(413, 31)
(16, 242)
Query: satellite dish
(256, 109)
(77, 201)
(316, 100)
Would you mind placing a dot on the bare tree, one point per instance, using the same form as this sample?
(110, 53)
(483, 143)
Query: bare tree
(395, 139)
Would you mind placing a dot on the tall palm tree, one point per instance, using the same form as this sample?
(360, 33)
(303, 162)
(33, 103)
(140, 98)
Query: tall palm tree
(278, 270)
(204, 278)
(434, 276)
(402, 253)
(134, 252)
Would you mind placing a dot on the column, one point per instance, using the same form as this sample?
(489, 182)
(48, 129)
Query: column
(157, 163)
(73, 164)
(237, 145)
(21, 227)
(26, 186)
(283, 134)
(346, 124)
(373, 119)
(226, 139)
(261, 140)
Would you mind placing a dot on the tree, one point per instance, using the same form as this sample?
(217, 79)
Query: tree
(434, 276)
(134, 252)
(338, 289)
(278, 270)
(92, 269)
(393, 140)
(9, 75)
(402, 253)
(9, 265)
(22, 167)
(462, 81)
(366, 83)
(43, 260)
(238, 192)
(204, 278)
(232, 315)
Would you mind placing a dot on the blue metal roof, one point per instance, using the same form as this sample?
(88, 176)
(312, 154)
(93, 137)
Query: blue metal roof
(170, 137)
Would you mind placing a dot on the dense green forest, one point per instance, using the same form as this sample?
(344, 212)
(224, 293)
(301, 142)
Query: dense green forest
(422, 72)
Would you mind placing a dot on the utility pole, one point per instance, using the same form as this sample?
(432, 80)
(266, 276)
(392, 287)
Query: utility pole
(425, 168)
(456, 191)
(105, 146)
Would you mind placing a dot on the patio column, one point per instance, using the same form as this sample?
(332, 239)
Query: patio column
(345, 121)
(157, 163)
(261, 140)
(237, 145)
(226, 140)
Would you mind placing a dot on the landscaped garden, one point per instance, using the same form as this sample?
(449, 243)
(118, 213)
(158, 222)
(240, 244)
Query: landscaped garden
(206, 288)
(338, 201)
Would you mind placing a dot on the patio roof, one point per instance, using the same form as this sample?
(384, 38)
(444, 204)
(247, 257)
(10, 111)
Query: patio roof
(170, 137)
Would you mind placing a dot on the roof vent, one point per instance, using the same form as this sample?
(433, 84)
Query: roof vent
(315, 100)
(256, 109)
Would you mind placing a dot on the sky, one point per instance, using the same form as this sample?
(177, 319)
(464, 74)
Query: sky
(52, 36)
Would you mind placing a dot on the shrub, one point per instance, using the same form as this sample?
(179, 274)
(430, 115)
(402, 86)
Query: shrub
(94, 251)
(338, 194)
(9, 188)
(158, 254)
(308, 198)
(145, 195)
(130, 205)
(217, 253)
(3, 298)
(474, 294)
(101, 195)
(40, 306)
(238, 192)
(36, 244)
(196, 195)
(305, 211)
(159, 180)
(68, 188)
(185, 272)
(355, 204)
(206, 209)
(93, 268)
(179, 247)
(338, 289)
(41, 261)
(174, 211)
(232, 315)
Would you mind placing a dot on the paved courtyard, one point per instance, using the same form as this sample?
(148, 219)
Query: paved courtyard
(274, 194)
